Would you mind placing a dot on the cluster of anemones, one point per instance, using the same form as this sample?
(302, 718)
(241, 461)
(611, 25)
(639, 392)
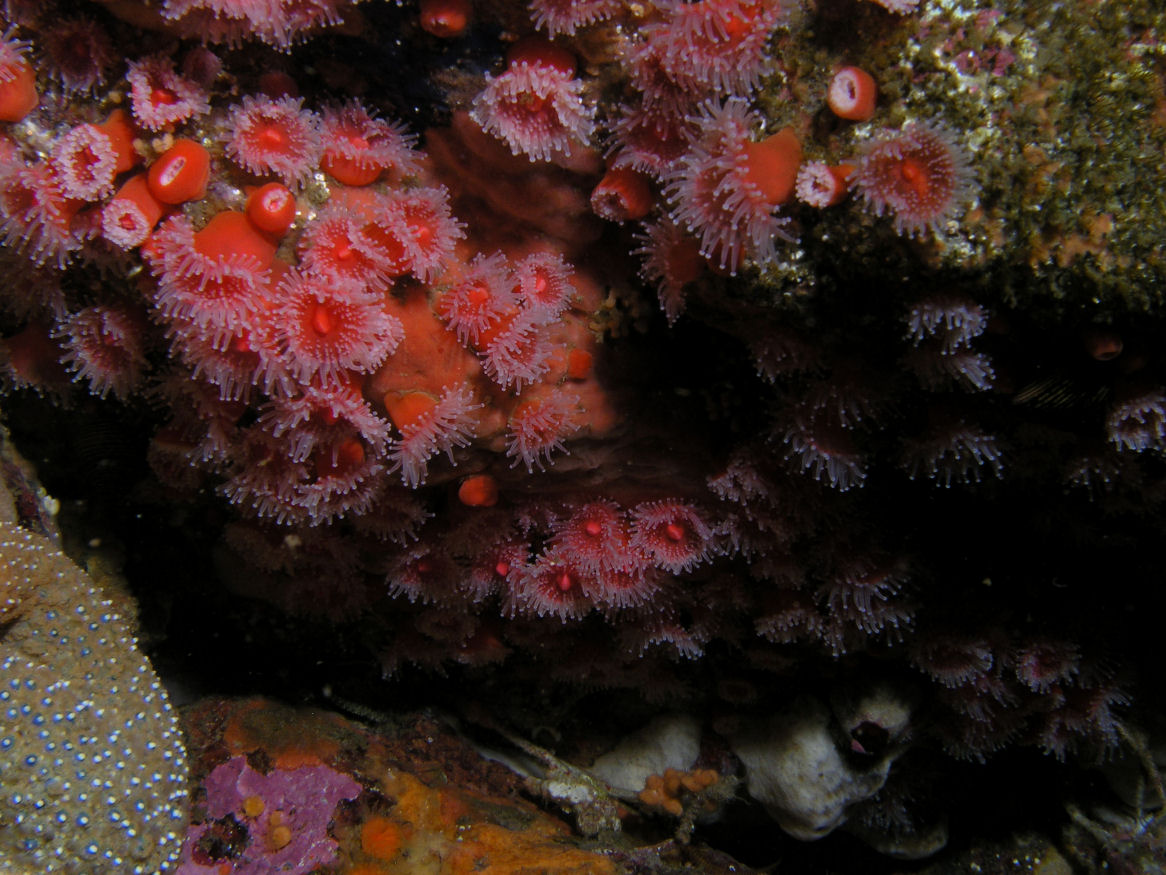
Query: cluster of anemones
(304, 336)
(326, 345)
(1003, 689)
(843, 598)
(89, 198)
(695, 70)
(950, 448)
(691, 133)
(561, 562)
(291, 341)
(280, 23)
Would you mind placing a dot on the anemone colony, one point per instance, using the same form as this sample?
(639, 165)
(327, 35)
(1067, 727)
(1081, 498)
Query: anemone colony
(378, 285)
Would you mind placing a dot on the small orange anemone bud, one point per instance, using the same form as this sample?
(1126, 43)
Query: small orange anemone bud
(407, 408)
(18, 95)
(445, 18)
(131, 214)
(536, 49)
(181, 173)
(480, 490)
(821, 185)
(773, 165)
(622, 194)
(852, 94)
(579, 363)
(120, 130)
(229, 234)
(347, 171)
(272, 208)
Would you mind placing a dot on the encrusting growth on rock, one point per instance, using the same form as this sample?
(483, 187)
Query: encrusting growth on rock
(80, 708)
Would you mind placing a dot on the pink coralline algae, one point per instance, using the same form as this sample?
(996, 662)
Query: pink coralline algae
(285, 815)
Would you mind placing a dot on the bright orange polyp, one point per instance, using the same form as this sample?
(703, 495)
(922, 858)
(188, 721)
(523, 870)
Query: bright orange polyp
(181, 173)
(272, 208)
(18, 95)
(480, 490)
(229, 234)
(322, 320)
(120, 130)
(621, 195)
(852, 94)
(348, 171)
(137, 190)
(445, 18)
(773, 165)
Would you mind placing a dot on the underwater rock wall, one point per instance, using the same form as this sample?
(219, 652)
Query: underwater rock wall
(717, 356)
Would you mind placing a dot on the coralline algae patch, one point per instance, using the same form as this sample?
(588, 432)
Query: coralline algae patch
(92, 766)
(331, 793)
